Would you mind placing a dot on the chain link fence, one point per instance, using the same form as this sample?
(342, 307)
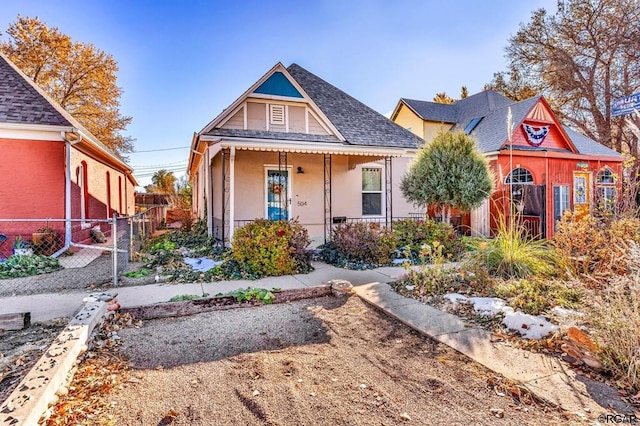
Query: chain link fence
(51, 255)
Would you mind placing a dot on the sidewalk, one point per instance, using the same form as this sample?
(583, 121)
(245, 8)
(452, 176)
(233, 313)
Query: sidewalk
(44, 307)
(544, 376)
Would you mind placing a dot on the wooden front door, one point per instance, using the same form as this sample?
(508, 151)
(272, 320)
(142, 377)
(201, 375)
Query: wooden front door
(581, 194)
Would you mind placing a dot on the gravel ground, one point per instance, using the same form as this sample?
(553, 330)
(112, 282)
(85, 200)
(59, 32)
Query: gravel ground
(327, 361)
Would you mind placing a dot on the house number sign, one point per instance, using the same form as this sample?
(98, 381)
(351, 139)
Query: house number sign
(301, 203)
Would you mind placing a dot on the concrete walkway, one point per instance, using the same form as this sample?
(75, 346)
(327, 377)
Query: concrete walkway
(44, 307)
(544, 376)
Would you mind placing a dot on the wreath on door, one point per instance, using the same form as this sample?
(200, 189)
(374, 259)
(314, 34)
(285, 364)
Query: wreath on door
(275, 188)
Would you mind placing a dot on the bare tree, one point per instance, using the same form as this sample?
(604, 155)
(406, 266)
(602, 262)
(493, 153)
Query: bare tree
(581, 59)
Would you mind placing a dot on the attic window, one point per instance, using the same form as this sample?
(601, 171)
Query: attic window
(276, 114)
(472, 125)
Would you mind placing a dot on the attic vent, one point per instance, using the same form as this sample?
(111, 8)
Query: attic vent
(276, 113)
(472, 125)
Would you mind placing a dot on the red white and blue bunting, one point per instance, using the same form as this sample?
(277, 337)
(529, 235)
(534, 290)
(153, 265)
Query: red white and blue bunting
(535, 135)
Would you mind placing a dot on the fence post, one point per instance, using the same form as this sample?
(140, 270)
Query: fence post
(114, 235)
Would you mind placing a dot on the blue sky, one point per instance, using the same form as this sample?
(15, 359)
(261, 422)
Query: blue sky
(183, 62)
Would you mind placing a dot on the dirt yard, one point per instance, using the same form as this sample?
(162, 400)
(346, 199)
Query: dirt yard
(326, 361)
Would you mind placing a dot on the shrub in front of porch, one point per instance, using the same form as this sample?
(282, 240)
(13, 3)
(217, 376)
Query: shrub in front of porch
(272, 248)
(411, 235)
(359, 246)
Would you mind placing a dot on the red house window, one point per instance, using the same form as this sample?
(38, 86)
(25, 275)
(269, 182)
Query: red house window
(120, 194)
(108, 194)
(82, 177)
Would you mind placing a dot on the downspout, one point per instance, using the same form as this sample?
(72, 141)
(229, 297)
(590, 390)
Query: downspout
(67, 189)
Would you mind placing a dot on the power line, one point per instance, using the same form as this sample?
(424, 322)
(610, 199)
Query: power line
(161, 149)
(153, 166)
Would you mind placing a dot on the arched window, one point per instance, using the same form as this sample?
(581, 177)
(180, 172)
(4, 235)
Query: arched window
(520, 176)
(606, 190)
(108, 178)
(83, 183)
(516, 180)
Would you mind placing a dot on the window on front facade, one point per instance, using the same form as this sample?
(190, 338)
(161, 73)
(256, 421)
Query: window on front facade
(606, 190)
(371, 191)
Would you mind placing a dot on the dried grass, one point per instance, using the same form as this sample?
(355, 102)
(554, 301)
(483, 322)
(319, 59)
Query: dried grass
(615, 317)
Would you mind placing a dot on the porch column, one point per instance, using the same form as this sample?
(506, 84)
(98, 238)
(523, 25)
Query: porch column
(327, 197)
(388, 184)
(232, 191)
(225, 194)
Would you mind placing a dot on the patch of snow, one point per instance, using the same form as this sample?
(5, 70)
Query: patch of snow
(529, 326)
(202, 264)
(489, 306)
(400, 261)
(456, 298)
(409, 287)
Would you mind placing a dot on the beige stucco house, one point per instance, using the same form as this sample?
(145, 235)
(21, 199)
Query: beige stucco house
(294, 146)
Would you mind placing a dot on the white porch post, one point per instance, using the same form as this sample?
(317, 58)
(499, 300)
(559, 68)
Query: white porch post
(232, 191)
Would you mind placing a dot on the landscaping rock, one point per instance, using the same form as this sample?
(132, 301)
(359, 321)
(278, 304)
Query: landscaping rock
(341, 287)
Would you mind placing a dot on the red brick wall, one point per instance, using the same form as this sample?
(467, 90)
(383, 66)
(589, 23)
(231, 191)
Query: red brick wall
(31, 179)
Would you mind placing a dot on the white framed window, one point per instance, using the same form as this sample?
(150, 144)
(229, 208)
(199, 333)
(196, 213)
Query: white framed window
(560, 202)
(276, 114)
(606, 189)
(516, 179)
(371, 191)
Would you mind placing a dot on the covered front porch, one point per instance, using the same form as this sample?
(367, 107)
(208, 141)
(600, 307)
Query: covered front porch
(317, 186)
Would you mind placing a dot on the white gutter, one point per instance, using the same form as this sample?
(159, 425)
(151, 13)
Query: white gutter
(311, 147)
(67, 188)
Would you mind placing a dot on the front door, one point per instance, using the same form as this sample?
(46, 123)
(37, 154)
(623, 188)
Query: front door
(277, 195)
(581, 194)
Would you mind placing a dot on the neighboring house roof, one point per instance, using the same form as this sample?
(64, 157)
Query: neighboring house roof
(359, 124)
(22, 101)
(490, 131)
(355, 123)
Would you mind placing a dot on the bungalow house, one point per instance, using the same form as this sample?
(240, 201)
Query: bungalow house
(542, 169)
(294, 146)
(53, 168)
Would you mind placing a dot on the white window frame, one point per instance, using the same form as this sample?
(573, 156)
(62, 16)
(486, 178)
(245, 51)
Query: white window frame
(381, 191)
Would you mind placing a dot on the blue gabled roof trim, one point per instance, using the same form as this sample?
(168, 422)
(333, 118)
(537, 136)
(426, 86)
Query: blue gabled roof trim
(279, 85)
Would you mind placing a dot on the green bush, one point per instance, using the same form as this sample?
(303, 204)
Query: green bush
(411, 235)
(359, 246)
(511, 254)
(272, 248)
(24, 266)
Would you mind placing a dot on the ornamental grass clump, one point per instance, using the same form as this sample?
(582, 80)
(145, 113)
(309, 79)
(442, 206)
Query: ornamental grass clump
(272, 248)
(512, 254)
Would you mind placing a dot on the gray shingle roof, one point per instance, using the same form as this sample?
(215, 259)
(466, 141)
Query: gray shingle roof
(20, 103)
(359, 124)
(586, 145)
(432, 111)
(491, 133)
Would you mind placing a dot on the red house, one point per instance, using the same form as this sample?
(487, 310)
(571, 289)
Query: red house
(542, 169)
(52, 167)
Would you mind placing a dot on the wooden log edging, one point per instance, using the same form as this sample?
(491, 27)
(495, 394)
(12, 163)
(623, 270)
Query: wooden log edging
(208, 304)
